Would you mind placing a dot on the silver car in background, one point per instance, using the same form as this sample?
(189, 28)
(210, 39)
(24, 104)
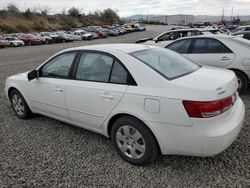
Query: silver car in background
(223, 51)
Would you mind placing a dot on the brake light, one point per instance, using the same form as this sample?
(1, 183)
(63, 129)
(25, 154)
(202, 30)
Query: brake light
(207, 109)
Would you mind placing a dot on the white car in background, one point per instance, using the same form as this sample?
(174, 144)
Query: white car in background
(3, 42)
(46, 39)
(219, 51)
(83, 34)
(240, 29)
(169, 36)
(14, 42)
(148, 100)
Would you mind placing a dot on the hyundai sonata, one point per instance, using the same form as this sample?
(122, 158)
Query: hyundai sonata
(148, 100)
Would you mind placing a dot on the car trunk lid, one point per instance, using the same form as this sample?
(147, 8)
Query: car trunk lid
(207, 84)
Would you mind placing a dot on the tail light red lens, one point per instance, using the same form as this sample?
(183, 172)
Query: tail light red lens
(207, 109)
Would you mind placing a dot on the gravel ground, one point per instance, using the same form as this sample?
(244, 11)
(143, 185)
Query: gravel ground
(42, 152)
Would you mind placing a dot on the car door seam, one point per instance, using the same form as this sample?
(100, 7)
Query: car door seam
(114, 106)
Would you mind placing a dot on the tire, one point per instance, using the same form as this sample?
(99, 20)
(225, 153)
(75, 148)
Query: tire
(11, 45)
(242, 80)
(29, 43)
(138, 146)
(19, 105)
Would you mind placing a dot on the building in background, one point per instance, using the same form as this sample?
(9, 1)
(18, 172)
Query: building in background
(178, 19)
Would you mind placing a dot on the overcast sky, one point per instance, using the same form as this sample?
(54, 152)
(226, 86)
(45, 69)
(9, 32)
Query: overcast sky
(131, 7)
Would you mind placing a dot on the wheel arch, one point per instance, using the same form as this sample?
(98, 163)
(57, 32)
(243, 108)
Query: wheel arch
(10, 90)
(238, 70)
(119, 115)
(14, 87)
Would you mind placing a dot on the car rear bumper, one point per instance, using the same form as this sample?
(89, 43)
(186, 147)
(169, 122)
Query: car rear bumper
(207, 137)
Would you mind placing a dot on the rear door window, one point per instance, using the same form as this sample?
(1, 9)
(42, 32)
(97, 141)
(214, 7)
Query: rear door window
(205, 45)
(94, 67)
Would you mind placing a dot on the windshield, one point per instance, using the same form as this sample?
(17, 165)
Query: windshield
(167, 63)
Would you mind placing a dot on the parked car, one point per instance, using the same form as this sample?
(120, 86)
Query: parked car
(3, 42)
(14, 42)
(147, 99)
(84, 34)
(240, 29)
(64, 37)
(243, 34)
(121, 31)
(169, 36)
(98, 31)
(139, 28)
(111, 32)
(46, 39)
(214, 31)
(30, 39)
(128, 28)
(220, 51)
(95, 36)
(53, 36)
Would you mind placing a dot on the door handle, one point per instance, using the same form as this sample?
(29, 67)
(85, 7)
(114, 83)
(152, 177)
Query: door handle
(225, 58)
(58, 89)
(107, 96)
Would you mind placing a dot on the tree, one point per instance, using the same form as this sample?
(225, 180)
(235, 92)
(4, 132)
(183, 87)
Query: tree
(74, 12)
(12, 9)
(27, 13)
(44, 11)
(109, 16)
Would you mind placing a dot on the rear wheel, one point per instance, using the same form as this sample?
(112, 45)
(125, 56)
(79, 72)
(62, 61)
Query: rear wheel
(133, 141)
(11, 45)
(242, 80)
(19, 105)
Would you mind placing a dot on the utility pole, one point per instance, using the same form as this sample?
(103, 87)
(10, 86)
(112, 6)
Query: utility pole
(232, 15)
(222, 18)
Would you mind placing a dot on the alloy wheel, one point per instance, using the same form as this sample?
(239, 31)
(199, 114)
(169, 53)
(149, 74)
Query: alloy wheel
(130, 142)
(18, 104)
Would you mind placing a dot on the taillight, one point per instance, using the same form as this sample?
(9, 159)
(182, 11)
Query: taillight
(207, 109)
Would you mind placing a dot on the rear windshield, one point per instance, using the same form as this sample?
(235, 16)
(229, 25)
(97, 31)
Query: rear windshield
(167, 63)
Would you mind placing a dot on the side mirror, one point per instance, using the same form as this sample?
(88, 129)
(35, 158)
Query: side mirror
(33, 74)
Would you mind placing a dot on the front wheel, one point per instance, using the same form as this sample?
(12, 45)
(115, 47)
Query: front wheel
(133, 141)
(19, 105)
(242, 80)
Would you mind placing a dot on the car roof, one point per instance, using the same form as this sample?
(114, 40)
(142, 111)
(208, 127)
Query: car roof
(244, 26)
(187, 29)
(125, 48)
(208, 36)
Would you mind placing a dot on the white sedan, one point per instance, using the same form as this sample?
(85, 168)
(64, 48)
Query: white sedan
(147, 99)
(223, 51)
(172, 35)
